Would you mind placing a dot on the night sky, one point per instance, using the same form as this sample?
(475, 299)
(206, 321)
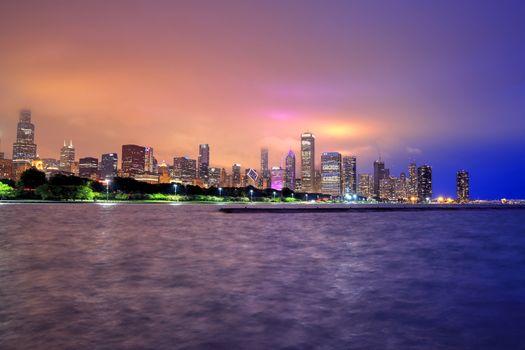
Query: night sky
(439, 82)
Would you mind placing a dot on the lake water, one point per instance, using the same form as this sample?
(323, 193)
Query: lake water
(88, 276)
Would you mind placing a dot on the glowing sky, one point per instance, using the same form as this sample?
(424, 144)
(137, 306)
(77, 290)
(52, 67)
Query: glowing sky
(440, 83)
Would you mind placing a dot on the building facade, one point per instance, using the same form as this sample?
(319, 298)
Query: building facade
(184, 169)
(88, 167)
(264, 177)
(462, 186)
(331, 175)
(366, 185)
(24, 148)
(277, 175)
(67, 157)
(349, 168)
(203, 163)
(289, 171)
(108, 166)
(424, 183)
(133, 160)
(308, 162)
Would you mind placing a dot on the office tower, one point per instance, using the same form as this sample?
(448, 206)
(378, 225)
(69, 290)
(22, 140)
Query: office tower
(203, 162)
(133, 160)
(236, 175)
(462, 186)
(424, 183)
(214, 177)
(289, 171)
(225, 179)
(108, 166)
(164, 173)
(184, 169)
(331, 177)
(24, 149)
(277, 175)
(6, 169)
(317, 181)
(379, 174)
(67, 157)
(387, 189)
(308, 162)
(150, 166)
(88, 168)
(412, 181)
(401, 187)
(349, 175)
(366, 185)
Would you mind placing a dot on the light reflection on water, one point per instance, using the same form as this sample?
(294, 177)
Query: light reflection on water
(152, 276)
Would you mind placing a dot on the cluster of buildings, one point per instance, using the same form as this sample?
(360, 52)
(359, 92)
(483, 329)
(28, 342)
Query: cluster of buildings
(336, 176)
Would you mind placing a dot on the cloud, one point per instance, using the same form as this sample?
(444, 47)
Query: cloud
(413, 150)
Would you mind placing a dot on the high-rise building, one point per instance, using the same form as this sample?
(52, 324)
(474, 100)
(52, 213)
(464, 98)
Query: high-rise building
(133, 160)
(366, 185)
(203, 162)
(462, 186)
(214, 177)
(424, 183)
(265, 170)
(251, 177)
(164, 173)
(412, 181)
(150, 163)
(108, 166)
(88, 167)
(380, 173)
(236, 175)
(349, 175)
(24, 148)
(308, 162)
(67, 157)
(289, 171)
(401, 188)
(277, 175)
(331, 177)
(184, 169)
(6, 169)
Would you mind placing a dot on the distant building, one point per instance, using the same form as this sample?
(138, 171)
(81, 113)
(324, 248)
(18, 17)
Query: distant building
(251, 177)
(67, 157)
(387, 189)
(214, 177)
(289, 171)
(424, 183)
(185, 169)
(88, 167)
(317, 181)
(462, 186)
(236, 175)
(277, 175)
(164, 173)
(150, 163)
(133, 160)
(24, 148)
(366, 185)
(331, 176)
(401, 188)
(412, 182)
(349, 175)
(264, 177)
(308, 162)
(380, 173)
(203, 162)
(6, 169)
(108, 166)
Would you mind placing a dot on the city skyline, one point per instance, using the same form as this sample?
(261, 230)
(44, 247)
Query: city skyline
(240, 77)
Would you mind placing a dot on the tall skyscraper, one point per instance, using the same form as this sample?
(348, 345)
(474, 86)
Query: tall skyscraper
(349, 175)
(203, 162)
(380, 173)
(24, 148)
(108, 166)
(412, 181)
(366, 185)
(236, 175)
(308, 162)
(462, 186)
(265, 170)
(67, 157)
(277, 178)
(133, 160)
(424, 183)
(214, 177)
(289, 171)
(88, 167)
(150, 163)
(331, 176)
(184, 169)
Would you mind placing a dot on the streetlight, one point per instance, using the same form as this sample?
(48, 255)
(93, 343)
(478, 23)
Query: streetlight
(175, 185)
(274, 195)
(307, 197)
(107, 189)
(220, 191)
(251, 195)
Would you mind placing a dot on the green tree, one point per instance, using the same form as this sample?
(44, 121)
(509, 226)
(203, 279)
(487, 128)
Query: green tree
(6, 191)
(32, 178)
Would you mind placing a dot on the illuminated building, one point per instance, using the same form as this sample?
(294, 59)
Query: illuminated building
(108, 166)
(251, 177)
(308, 162)
(236, 175)
(88, 168)
(24, 149)
(298, 185)
(424, 183)
(366, 185)
(387, 189)
(75, 168)
(462, 186)
(265, 170)
(150, 163)
(380, 173)
(133, 160)
(331, 177)
(349, 175)
(203, 162)
(225, 180)
(164, 173)
(277, 175)
(184, 169)
(401, 188)
(412, 181)
(289, 171)
(38, 164)
(149, 178)
(214, 177)
(317, 181)
(67, 157)
(6, 169)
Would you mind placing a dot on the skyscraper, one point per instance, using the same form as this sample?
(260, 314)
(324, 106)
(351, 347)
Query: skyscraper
(349, 175)
(150, 166)
(67, 157)
(424, 183)
(184, 169)
(88, 167)
(462, 186)
(289, 171)
(6, 169)
(308, 162)
(366, 185)
(203, 162)
(133, 160)
(24, 148)
(214, 177)
(380, 173)
(108, 166)
(236, 175)
(277, 178)
(265, 170)
(331, 177)
(412, 181)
